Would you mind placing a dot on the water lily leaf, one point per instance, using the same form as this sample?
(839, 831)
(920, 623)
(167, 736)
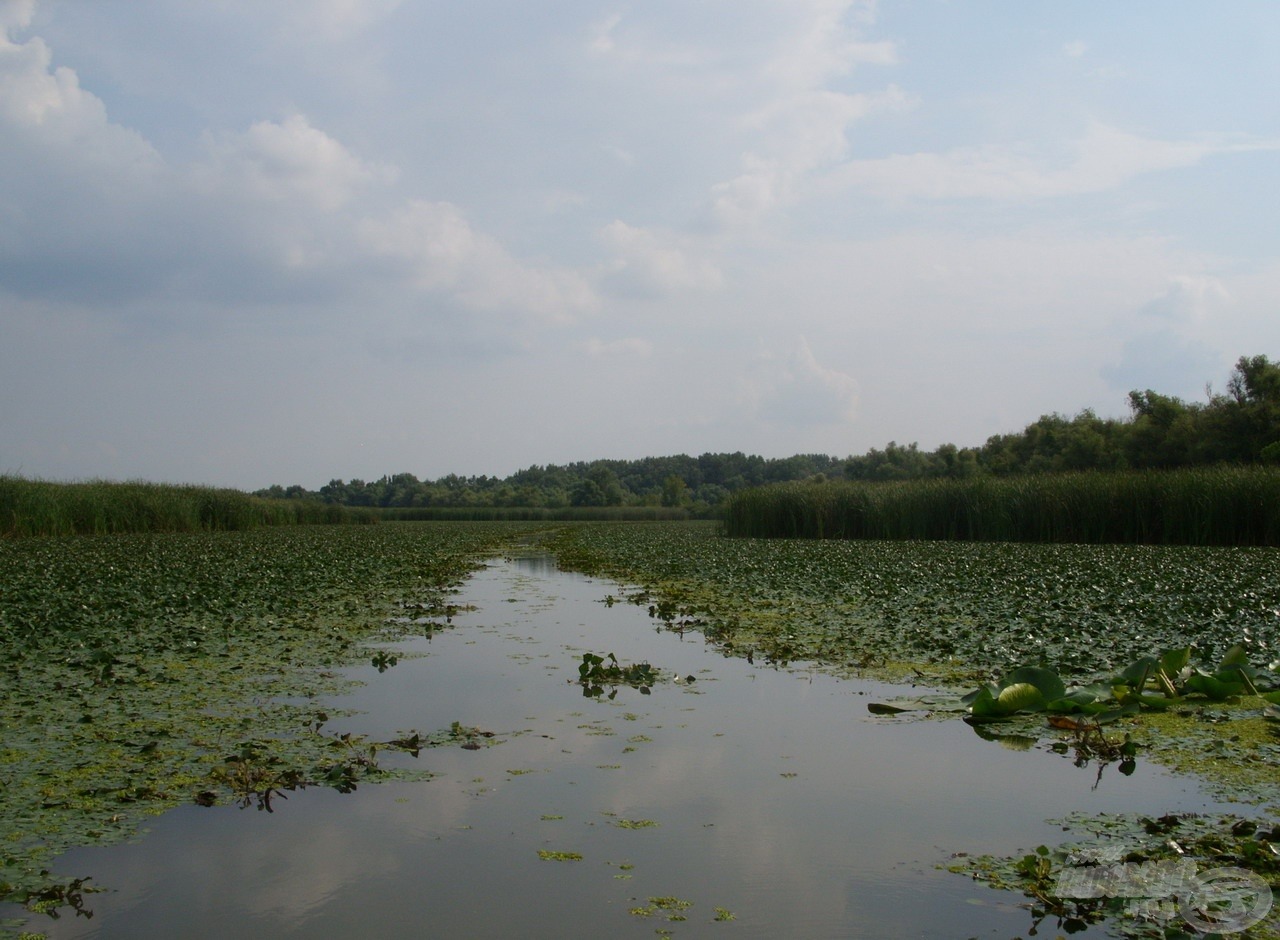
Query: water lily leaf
(1046, 681)
(982, 704)
(1109, 715)
(1235, 657)
(1084, 696)
(1173, 661)
(1137, 672)
(1019, 697)
(880, 708)
(1214, 687)
(990, 690)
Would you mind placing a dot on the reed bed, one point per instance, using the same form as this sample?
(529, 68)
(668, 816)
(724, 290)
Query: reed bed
(1199, 506)
(40, 507)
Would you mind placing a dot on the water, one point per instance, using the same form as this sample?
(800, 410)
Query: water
(776, 797)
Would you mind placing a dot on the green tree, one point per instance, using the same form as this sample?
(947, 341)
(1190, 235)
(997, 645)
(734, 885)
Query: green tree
(674, 491)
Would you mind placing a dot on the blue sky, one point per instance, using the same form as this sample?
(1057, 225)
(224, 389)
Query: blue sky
(246, 243)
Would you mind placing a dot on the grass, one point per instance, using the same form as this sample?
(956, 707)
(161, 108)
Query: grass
(98, 507)
(1201, 506)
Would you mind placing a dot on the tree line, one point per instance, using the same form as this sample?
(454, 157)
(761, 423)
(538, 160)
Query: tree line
(1240, 426)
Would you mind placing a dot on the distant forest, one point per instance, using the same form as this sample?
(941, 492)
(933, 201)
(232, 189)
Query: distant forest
(1240, 426)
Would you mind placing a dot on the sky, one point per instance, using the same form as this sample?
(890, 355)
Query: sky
(247, 243)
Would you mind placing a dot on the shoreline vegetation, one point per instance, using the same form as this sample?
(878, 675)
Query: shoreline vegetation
(1224, 506)
(98, 507)
(1237, 428)
(1175, 472)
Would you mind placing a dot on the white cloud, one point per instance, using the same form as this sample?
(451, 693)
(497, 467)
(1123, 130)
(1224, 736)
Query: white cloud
(1190, 299)
(289, 161)
(600, 41)
(337, 18)
(636, 49)
(650, 264)
(826, 45)
(46, 108)
(802, 124)
(307, 21)
(630, 348)
(256, 211)
(804, 133)
(1169, 342)
(1075, 49)
(795, 390)
(15, 14)
(440, 251)
(1104, 158)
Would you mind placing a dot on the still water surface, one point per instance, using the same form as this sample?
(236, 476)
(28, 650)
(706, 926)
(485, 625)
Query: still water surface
(775, 795)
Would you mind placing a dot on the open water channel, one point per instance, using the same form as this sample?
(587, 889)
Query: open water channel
(768, 799)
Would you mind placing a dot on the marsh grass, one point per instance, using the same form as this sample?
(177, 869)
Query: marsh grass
(1201, 506)
(97, 507)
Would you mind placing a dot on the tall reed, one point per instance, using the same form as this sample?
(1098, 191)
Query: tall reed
(1198, 506)
(40, 507)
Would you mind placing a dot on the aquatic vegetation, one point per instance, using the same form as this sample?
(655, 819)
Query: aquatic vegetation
(672, 908)
(595, 672)
(1221, 505)
(1065, 628)
(39, 507)
(1148, 877)
(1149, 682)
(551, 856)
(138, 672)
(947, 612)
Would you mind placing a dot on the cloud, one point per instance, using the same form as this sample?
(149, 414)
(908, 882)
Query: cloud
(802, 123)
(436, 247)
(1104, 158)
(308, 21)
(648, 264)
(273, 213)
(804, 133)
(45, 112)
(289, 161)
(1190, 299)
(609, 38)
(16, 14)
(338, 18)
(630, 348)
(796, 390)
(77, 192)
(827, 44)
(1168, 348)
(601, 41)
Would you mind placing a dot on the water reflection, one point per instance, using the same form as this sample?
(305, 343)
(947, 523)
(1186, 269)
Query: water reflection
(772, 793)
